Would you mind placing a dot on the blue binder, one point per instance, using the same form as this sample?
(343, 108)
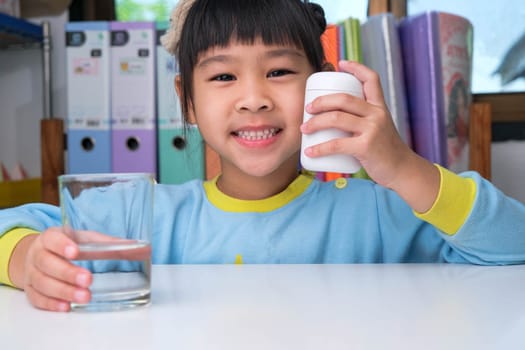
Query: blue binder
(88, 86)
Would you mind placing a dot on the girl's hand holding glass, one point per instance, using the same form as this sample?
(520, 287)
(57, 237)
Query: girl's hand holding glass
(51, 280)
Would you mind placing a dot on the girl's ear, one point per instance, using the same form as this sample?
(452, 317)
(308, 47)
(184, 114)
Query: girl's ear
(190, 118)
(178, 87)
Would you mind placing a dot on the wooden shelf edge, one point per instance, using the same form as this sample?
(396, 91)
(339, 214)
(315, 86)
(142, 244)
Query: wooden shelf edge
(506, 107)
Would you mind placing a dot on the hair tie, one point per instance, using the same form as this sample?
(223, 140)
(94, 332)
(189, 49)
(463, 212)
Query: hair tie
(170, 40)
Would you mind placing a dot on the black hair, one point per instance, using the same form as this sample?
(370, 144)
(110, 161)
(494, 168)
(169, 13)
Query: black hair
(212, 23)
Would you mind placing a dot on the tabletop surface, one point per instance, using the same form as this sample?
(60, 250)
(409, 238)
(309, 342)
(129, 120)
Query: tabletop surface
(400, 306)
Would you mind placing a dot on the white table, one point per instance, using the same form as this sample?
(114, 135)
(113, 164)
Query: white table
(293, 307)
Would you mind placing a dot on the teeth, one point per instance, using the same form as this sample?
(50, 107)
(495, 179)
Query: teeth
(257, 135)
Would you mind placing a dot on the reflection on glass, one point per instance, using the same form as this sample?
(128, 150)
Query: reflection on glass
(499, 40)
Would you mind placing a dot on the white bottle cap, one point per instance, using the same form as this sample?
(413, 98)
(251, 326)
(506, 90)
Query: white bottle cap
(336, 82)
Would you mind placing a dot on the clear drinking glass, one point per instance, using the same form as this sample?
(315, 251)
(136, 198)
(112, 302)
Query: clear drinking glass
(110, 216)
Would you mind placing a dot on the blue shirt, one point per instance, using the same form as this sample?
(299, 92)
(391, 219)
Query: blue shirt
(312, 222)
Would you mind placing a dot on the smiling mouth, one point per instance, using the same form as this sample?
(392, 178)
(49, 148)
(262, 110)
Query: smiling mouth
(257, 135)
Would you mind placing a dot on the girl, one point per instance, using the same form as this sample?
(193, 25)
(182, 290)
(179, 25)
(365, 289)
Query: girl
(244, 64)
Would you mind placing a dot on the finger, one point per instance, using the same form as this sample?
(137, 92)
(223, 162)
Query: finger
(371, 83)
(339, 101)
(43, 302)
(58, 268)
(362, 134)
(56, 289)
(56, 241)
(335, 146)
(348, 122)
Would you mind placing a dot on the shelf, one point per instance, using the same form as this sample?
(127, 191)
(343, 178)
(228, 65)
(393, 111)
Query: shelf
(13, 193)
(506, 107)
(19, 33)
(16, 33)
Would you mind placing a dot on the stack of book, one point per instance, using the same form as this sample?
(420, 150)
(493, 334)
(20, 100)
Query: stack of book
(424, 63)
(132, 120)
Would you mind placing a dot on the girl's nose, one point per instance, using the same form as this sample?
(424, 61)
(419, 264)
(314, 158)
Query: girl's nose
(254, 97)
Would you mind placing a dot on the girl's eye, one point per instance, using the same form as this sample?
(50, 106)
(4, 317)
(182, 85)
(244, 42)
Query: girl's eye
(223, 77)
(279, 73)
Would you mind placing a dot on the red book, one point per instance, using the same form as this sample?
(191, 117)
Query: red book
(332, 50)
(331, 44)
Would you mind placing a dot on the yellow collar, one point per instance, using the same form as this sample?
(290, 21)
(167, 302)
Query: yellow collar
(227, 203)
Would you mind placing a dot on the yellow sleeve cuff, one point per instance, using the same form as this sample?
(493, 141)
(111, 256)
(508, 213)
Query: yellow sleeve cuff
(8, 242)
(453, 204)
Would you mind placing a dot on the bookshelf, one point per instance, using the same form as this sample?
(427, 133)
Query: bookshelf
(481, 110)
(19, 34)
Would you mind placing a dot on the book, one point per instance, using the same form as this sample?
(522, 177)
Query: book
(352, 39)
(331, 44)
(382, 52)
(456, 37)
(437, 58)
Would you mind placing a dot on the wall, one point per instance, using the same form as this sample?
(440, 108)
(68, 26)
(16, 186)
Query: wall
(21, 109)
(21, 98)
(508, 168)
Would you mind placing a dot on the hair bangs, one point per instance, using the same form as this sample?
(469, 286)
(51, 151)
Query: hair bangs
(221, 21)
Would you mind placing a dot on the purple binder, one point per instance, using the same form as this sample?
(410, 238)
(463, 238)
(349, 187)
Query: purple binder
(420, 44)
(134, 136)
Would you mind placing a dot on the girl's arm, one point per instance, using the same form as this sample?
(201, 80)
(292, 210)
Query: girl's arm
(16, 264)
(483, 225)
(375, 141)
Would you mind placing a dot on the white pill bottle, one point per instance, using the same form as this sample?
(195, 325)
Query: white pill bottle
(319, 84)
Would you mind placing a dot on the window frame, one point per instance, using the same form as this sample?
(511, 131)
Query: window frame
(506, 107)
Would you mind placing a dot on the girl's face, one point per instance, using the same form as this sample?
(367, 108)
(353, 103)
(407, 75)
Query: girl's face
(248, 103)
